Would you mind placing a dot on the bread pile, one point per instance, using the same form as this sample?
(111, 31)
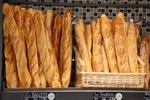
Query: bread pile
(110, 46)
(37, 47)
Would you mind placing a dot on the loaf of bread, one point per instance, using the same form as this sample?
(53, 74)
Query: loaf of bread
(32, 49)
(121, 44)
(88, 38)
(108, 43)
(97, 61)
(49, 22)
(79, 66)
(81, 44)
(31, 11)
(18, 46)
(56, 76)
(10, 59)
(105, 60)
(144, 54)
(132, 48)
(45, 60)
(66, 49)
(57, 33)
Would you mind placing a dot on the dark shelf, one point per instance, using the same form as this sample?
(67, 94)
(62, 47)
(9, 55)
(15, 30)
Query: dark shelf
(75, 4)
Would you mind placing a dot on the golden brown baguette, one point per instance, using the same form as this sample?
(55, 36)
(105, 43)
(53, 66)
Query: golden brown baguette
(88, 38)
(49, 22)
(132, 48)
(81, 44)
(79, 66)
(66, 49)
(97, 61)
(121, 44)
(32, 49)
(56, 76)
(57, 33)
(18, 46)
(31, 11)
(105, 61)
(109, 43)
(10, 59)
(144, 54)
(46, 62)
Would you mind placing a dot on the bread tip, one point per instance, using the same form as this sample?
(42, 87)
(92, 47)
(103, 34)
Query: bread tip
(6, 8)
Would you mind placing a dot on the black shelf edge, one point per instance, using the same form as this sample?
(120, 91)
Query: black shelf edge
(75, 4)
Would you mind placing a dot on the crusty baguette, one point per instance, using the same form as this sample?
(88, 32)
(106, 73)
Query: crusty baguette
(31, 11)
(49, 22)
(66, 49)
(81, 44)
(44, 56)
(57, 33)
(105, 61)
(108, 43)
(97, 61)
(32, 49)
(79, 66)
(132, 48)
(10, 59)
(18, 46)
(144, 54)
(121, 44)
(56, 76)
(88, 38)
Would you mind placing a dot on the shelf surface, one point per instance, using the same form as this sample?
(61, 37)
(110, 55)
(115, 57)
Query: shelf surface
(73, 93)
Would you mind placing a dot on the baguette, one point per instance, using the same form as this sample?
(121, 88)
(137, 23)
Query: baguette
(45, 61)
(144, 54)
(121, 44)
(132, 48)
(109, 43)
(105, 61)
(56, 76)
(32, 49)
(10, 59)
(57, 33)
(88, 39)
(66, 49)
(97, 61)
(18, 46)
(49, 22)
(80, 40)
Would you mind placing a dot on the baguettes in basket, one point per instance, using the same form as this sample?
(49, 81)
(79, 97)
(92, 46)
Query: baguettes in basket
(57, 33)
(10, 59)
(144, 54)
(32, 49)
(105, 60)
(66, 49)
(46, 62)
(56, 76)
(18, 46)
(81, 44)
(121, 43)
(88, 38)
(132, 48)
(108, 43)
(97, 61)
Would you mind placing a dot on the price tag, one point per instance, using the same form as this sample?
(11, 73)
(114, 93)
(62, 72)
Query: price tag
(108, 96)
(39, 96)
(147, 96)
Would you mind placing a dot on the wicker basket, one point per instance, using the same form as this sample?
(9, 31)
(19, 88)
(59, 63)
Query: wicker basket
(110, 80)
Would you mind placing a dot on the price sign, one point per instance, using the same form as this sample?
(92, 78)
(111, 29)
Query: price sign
(108, 96)
(39, 96)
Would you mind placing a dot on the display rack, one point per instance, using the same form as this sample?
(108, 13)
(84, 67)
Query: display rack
(71, 93)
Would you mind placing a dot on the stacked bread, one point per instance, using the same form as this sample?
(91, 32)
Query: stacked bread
(34, 56)
(110, 46)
